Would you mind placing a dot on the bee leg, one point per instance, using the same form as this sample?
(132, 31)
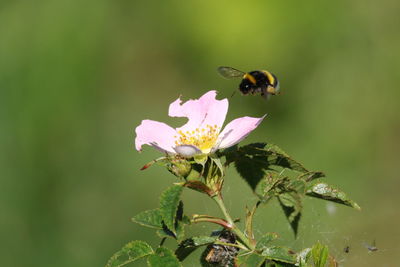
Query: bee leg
(265, 94)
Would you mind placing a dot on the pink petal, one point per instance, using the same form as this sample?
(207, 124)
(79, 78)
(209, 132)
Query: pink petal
(155, 134)
(187, 151)
(201, 112)
(237, 130)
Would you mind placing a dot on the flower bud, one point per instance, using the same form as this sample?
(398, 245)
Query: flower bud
(179, 167)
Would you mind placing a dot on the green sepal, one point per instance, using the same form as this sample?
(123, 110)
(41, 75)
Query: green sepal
(201, 159)
(330, 193)
(178, 166)
(163, 161)
(249, 222)
(163, 257)
(217, 161)
(199, 187)
(131, 252)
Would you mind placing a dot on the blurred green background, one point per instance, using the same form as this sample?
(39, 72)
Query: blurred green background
(77, 77)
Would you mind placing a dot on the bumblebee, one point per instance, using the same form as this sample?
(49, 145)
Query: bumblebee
(254, 82)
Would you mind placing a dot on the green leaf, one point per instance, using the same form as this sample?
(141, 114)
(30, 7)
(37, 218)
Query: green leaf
(163, 257)
(165, 232)
(280, 254)
(298, 186)
(169, 202)
(171, 210)
(310, 176)
(280, 264)
(252, 260)
(189, 245)
(275, 156)
(252, 161)
(129, 253)
(271, 185)
(289, 194)
(251, 170)
(180, 222)
(291, 204)
(149, 218)
(264, 241)
(319, 255)
(282, 159)
(330, 193)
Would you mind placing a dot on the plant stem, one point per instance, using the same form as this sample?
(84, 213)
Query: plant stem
(218, 199)
(210, 219)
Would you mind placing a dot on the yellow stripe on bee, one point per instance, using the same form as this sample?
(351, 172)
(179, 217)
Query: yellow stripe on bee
(269, 76)
(250, 78)
(271, 90)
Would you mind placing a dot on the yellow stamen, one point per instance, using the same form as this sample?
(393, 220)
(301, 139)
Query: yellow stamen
(204, 138)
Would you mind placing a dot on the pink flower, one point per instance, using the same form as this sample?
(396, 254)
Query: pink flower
(201, 134)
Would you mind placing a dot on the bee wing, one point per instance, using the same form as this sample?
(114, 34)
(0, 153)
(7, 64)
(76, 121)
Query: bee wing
(230, 73)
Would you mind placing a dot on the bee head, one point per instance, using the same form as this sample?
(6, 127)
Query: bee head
(276, 86)
(245, 86)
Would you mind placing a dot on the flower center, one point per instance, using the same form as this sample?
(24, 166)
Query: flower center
(203, 138)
